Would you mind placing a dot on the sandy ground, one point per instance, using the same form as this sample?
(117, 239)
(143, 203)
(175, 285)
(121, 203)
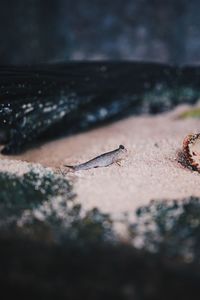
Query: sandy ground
(150, 170)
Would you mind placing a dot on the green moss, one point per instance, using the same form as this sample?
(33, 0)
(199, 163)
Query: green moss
(171, 228)
(40, 205)
(26, 193)
(191, 113)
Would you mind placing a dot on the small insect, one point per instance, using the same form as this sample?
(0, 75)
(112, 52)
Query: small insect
(103, 160)
(191, 150)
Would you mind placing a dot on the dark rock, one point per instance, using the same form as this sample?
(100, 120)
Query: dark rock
(66, 98)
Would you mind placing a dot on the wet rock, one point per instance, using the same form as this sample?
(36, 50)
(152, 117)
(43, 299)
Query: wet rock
(66, 98)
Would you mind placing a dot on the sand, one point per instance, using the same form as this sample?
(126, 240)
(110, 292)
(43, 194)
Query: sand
(150, 170)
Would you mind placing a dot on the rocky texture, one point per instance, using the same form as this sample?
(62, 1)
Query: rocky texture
(67, 98)
(35, 263)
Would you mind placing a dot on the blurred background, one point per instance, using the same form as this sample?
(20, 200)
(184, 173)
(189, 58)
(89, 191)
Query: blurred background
(37, 31)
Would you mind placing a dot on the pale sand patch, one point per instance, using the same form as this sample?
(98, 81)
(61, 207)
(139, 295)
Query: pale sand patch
(150, 170)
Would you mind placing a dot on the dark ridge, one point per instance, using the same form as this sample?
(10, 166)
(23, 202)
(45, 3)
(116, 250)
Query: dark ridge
(67, 98)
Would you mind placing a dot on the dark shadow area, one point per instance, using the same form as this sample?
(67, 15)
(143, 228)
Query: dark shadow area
(38, 270)
(162, 31)
(61, 252)
(63, 99)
